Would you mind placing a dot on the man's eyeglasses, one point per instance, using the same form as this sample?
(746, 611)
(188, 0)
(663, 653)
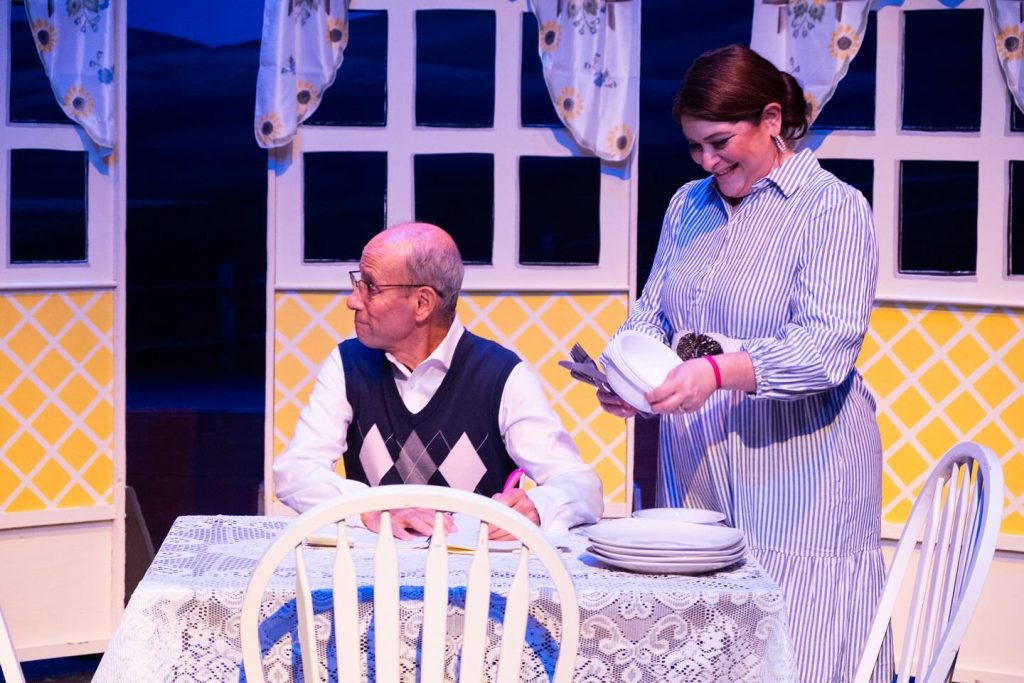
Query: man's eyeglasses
(371, 289)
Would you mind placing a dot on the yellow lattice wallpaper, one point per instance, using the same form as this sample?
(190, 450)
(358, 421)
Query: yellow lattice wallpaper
(944, 374)
(56, 405)
(541, 328)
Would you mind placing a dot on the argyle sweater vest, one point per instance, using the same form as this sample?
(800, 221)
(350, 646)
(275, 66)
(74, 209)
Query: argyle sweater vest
(453, 441)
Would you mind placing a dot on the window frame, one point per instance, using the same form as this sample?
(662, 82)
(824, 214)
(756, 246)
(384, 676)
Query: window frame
(402, 140)
(102, 196)
(992, 147)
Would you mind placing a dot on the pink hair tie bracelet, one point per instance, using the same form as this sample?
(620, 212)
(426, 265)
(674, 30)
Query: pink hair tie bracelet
(718, 373)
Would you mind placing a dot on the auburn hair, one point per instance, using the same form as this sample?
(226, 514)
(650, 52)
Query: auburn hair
(734, 83)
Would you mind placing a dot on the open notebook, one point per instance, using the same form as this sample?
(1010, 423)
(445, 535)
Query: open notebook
(462, 540)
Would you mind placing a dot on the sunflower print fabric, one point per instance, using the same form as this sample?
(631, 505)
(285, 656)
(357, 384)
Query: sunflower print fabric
(589, 53)
(819, 39)
(75, 43)
(1008, 32)
(303, 45)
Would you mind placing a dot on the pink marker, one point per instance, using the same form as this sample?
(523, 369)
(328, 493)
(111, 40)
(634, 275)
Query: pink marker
(513, 479)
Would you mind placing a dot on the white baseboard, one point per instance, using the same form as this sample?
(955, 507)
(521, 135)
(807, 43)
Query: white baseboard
(976, 676)
(86, 647)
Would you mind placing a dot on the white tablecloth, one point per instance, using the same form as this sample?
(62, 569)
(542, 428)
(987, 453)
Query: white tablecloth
(182, 623)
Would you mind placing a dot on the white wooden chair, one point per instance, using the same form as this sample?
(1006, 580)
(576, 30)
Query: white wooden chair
(435, 598)
(959, 512)
(8, 657)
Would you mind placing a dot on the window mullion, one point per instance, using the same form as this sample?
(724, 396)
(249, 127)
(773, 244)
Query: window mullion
(889, 77)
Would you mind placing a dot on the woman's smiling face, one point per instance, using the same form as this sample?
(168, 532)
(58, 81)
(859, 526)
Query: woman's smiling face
(737, 154)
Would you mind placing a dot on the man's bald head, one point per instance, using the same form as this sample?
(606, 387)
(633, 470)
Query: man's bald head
(431, 258)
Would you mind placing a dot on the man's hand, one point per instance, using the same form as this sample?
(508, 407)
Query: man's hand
(407, 523)
(521, 503)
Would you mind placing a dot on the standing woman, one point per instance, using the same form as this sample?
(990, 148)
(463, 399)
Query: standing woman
(775, 259)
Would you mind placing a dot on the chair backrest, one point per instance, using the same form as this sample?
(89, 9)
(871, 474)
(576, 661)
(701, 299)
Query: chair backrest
(956, 518)
(435, 590)
(8, 657)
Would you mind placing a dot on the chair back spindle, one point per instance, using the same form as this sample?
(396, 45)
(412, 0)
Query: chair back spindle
(937, 571)
(387, 628)
(8, 656)
(304, 611)
(435, 604)
(952, 579)
(345, 602)
(913, 626)
(514, 627)
(478, 602)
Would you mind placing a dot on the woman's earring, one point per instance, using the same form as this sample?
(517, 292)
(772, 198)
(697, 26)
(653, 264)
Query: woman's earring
(780, 144)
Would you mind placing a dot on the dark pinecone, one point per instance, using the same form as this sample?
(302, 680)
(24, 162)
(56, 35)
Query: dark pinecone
(696, 345)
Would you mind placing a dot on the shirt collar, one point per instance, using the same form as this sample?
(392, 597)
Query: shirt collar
(440, 357)
(791, 175)
(788, 177)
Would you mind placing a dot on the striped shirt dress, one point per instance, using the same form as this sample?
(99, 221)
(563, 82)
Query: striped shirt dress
(790, 275)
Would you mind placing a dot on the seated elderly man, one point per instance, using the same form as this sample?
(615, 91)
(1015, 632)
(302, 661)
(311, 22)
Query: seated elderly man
(417, 399)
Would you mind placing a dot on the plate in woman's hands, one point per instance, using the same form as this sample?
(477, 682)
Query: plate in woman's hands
(624, 388)
(643, 358)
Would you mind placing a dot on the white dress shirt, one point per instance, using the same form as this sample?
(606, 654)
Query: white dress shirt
(568, 492)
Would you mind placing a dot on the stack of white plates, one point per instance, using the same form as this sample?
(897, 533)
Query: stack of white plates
(636, 363)
(660, 546)
(695, 515)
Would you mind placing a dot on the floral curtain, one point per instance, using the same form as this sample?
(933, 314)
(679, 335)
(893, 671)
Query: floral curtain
(75, 41)
(303, 43)
(815, 40)
(1008, 27)
(590, 54)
